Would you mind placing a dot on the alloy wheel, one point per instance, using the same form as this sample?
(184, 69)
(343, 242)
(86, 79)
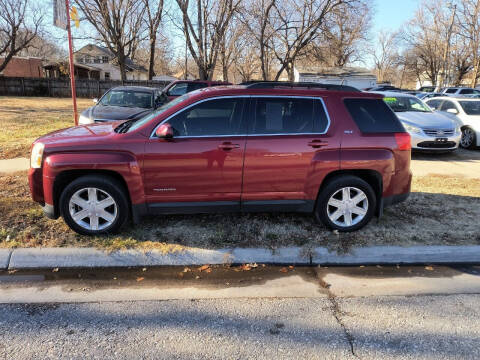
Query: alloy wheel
(467, 137)
(93, 209)
(347, 206)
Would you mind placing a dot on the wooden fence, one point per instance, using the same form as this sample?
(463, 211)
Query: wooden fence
(19, 86)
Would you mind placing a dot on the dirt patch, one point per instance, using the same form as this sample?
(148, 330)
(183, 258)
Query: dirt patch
(441, 210)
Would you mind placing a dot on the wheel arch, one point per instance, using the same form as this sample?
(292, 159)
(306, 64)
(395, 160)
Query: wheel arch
(372, 177)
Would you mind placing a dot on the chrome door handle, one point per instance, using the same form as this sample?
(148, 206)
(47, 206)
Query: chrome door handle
(317, 143)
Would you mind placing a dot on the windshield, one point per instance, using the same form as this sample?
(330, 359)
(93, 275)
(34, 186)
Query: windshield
(128, 98)
(157, 112)
(471, 107)
(403, 103)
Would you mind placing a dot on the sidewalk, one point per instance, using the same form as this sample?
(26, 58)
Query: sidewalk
(32, 258)
(13, 165)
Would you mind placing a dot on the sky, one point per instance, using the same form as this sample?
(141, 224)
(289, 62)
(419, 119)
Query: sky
(391, 14)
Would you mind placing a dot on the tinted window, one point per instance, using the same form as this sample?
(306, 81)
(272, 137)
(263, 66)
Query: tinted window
(127, 98)
(373, 116)
(471, 107)
(320, 119)
(451, 91)
(466, 91)
(178, 89)
(434, 104)
(196, 86)
(448, 105)
(283, 116)
(210, 118)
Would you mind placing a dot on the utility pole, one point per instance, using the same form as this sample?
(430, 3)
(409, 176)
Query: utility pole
(443, 75)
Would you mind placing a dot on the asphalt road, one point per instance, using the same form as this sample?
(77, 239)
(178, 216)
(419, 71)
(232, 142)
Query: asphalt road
(429, 321)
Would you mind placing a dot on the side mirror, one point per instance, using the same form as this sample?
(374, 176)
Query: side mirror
(95, 100)
(164, 131)
(452, 111)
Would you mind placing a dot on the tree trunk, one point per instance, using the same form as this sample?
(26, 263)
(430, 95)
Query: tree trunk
(121, 64)
(151, 64)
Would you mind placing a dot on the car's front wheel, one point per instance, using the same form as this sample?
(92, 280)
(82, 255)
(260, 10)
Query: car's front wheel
(468, 139)
(346, 203)
(94, 205)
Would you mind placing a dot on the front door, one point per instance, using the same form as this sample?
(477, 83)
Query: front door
(201, 167)
(287, 154)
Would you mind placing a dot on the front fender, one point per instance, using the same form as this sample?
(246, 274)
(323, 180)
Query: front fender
(121, 163)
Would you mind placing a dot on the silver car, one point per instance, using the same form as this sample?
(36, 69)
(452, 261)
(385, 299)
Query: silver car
(430, 131)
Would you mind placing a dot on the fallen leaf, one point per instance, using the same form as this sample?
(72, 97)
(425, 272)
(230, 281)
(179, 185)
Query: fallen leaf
(140, 279)
(180, 274)
(197, 277)
(203, 267)
(144, 269)
(186, 270)
(284, 270)
(209, 270)
(246, 267)
(55, 270)
(429, 268)
(290, 267)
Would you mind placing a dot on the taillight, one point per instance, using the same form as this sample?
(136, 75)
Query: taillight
(403, 141)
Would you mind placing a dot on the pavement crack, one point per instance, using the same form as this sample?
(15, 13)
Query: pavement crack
(337, 314)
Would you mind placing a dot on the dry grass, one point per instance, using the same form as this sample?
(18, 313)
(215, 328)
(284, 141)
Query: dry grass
(23, 119)
(441, 210)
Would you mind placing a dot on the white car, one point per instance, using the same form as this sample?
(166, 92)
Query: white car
(459, 91)
(429, 130)
(466, 111)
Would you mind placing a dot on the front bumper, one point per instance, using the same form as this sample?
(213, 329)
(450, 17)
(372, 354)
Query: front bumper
(432, 143)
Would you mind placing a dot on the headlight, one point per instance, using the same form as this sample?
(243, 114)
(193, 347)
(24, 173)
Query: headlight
(84, 120)
(411, 128)
(37, 155)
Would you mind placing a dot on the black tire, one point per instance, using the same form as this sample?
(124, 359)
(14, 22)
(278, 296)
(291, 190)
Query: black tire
(472, 138)
(107, 185)
(336, 184)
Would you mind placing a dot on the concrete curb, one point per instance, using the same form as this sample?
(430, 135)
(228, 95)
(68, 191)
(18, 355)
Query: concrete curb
(31, 258)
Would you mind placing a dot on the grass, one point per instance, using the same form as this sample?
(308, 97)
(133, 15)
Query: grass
(441, 210)
(23, 119)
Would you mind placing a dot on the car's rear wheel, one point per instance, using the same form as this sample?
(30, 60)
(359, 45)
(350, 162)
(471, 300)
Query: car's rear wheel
(94, 205)
(346, 203)
(468, 139)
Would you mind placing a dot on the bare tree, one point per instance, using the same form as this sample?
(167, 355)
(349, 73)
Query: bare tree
(344, 36)
(470, 29)
(153, 12)
(204, 25)
(385, 55)
(119, 24)
(19, 26)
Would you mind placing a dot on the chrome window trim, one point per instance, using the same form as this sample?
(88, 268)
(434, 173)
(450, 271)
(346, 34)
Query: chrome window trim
(152, 135)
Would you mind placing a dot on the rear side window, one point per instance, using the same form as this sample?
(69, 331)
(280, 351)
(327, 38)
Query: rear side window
(196, 86)
(451, 91)
(373, 116)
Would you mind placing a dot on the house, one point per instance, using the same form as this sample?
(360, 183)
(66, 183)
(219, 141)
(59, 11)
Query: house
(96, 62)
(357, 77)
(20, 66)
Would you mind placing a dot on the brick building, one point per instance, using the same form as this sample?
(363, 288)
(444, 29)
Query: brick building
(23, 67)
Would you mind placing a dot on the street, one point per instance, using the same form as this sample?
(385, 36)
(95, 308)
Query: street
(399, 312)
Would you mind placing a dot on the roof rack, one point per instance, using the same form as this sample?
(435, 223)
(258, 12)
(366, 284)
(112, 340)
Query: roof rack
(273, 84)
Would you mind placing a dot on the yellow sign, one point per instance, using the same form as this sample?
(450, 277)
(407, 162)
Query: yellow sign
(74, 16)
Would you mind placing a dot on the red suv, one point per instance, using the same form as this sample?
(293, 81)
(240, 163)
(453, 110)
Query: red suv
(339, 154)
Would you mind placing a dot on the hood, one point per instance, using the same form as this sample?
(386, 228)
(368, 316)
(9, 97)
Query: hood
(109, 113)
(426, 120)
(92, 133)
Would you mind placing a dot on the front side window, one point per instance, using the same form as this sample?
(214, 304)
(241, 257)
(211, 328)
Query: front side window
(178, 89)
(210, 118)
(447, 105)
(434, 104)
(196, 86)
(283, 116)
(127, 98)
(470, 107)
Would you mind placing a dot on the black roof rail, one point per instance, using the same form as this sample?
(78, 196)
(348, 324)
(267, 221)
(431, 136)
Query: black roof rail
(273, 84)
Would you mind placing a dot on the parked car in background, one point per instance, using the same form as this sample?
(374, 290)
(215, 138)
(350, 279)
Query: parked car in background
(384, 88)
(459, 91)
(181, 87)
(339, 155)
(427, 89)
(429, 130)
(428, 95)
(466, 112)
(122, 103)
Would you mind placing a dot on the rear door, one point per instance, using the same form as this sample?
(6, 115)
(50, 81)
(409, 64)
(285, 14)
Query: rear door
(288, 151)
